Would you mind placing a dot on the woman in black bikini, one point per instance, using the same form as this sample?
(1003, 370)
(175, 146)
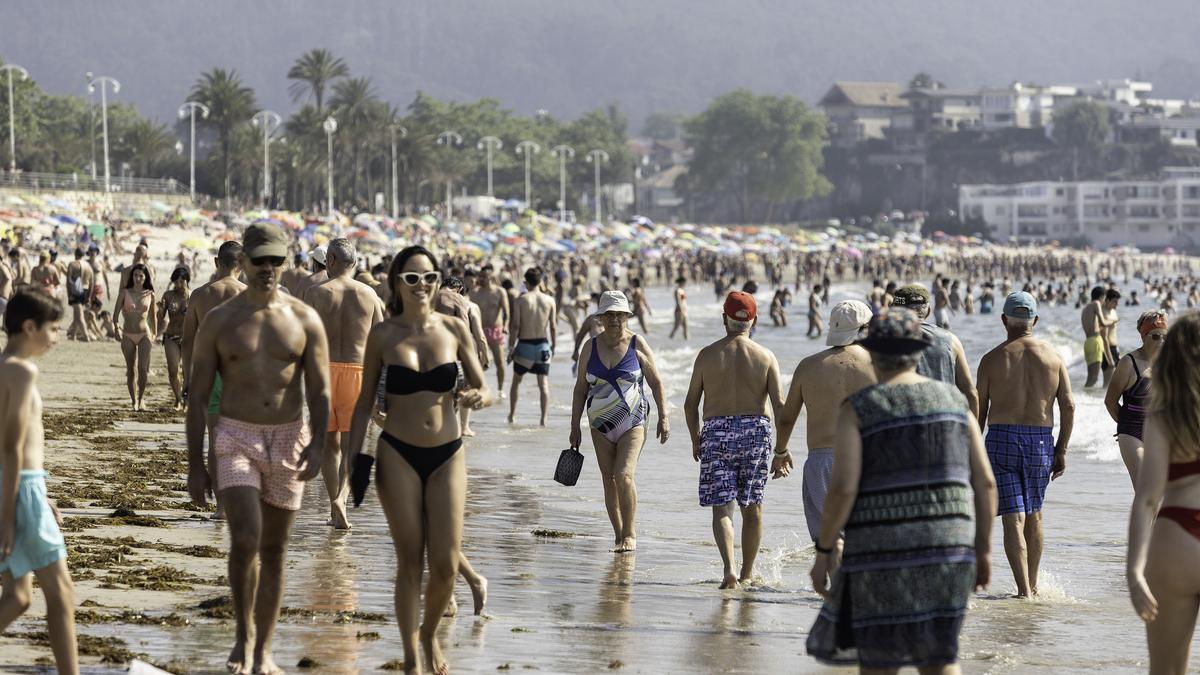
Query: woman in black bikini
(137, 331)
(1128, 393)
(171, 310)
(422, 475)
(1163, 560)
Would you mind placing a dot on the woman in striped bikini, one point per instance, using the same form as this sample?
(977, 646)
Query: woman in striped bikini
(617, 410)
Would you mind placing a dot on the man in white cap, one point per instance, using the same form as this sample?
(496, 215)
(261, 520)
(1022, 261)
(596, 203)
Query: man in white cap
(319, 275)
(823, 381)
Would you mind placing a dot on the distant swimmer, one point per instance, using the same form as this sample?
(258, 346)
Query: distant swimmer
(1128, 395)
(270, 350)
(348, 309)
(31, 543)
(1096, 352)
(535, 332)
(737, 380)
(617, 365)
(681, 308)
(1020, 427)
(821, 382)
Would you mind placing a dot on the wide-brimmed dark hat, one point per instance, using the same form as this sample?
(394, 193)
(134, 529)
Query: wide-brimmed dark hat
(895, 330)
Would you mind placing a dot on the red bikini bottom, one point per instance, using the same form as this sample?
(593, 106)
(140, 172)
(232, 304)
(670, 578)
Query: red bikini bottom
(1188, 519)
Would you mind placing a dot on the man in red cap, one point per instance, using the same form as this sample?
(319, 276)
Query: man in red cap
(736, 378)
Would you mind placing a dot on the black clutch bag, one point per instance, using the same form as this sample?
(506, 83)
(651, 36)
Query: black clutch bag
(570, 463)
(360, 477)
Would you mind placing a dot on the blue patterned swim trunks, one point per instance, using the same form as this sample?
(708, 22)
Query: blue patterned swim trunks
(735, 458)
(1021, 459)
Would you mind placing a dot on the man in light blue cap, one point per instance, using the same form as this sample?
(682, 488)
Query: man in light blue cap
(1019, 382)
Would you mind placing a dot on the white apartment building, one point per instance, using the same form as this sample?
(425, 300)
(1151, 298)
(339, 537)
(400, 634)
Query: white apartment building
(1021, 106)
(1150, 214)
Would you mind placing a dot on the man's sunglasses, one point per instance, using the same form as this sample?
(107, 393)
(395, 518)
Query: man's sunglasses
(1158, 337)
(414, 278)
(272, 260)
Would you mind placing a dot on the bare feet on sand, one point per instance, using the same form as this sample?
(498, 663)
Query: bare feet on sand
(265, 665)
(337, 516)
(451, 607)
(626, 545)
(238, 663)
(468, 432)
(479, 595)
(730, 581)
(433, 653)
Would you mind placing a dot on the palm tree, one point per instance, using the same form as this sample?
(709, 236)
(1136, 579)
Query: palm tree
(230, 104)
(146, 144)
(313, 72)
(357, 108)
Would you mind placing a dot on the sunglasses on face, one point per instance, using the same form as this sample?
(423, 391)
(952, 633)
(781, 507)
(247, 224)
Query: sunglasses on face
(272, 260)
(414, 278)
(1158, 337)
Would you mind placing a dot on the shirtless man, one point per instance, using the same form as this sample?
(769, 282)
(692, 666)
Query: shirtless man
(265, 345)
(1112, 300)
(7, 282)
(295, 275)
(45, 276)
(822, 381)
(79, 288)
(18, 267)
(1096, 352)
(941, 303)
(681, 311)
(737, 379)
(815, 327)
(348, 309)
(535, 327)
(637, 301)
(318, 276)
(30, 539)
(1019, 383)
(475, 324)
(224, 286)
(494, 315)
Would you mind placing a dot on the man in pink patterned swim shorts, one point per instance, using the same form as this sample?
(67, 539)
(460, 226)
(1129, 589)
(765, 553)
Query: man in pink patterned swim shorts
(264, 344)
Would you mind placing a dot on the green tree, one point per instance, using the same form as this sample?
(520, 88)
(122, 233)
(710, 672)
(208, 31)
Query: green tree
(357, 109)
(1082, 127)
(313, 72)
(924, 80)
(145, 145)
(764, 147)
(230, 105)
(661, 126)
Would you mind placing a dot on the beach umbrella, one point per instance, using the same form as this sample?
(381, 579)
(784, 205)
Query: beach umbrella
(66, 220)
(194, 243)
(96, 230)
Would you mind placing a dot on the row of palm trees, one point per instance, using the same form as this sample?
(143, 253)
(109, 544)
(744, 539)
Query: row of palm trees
(366, 127)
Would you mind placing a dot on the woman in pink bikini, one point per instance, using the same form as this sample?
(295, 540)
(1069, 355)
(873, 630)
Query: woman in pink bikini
(137, 330)
(1164, 551)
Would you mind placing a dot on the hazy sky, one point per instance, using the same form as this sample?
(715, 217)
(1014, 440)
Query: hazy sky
(571, 55)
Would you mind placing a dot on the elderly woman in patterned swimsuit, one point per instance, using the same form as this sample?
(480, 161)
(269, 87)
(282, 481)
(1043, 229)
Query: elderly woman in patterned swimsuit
(617, 409)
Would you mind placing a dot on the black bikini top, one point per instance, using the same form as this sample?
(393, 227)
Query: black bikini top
(402, 380)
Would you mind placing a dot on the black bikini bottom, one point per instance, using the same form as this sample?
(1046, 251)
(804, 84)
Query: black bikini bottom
(423, 460)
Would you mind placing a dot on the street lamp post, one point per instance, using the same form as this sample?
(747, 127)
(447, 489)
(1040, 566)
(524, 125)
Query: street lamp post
(189, 110)
(269, 120)
(490, 143)
(527, 148)
(330, 126)
(102, 81)
(91, 123)
(395, 180)
(596, 156)
(563, 152)
(11, 68)
(449, 138)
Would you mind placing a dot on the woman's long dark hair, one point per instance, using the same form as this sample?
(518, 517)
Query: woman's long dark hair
(147, 284)
(396, 306)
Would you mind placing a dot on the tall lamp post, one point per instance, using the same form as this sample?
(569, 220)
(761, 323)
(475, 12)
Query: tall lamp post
(395, 180)
(449, 139)
(189, 110)
(490, 143)
(330, 126)
(269, 120)
(596, 157)
(528, 149)
(92, 123)
(102, 81)
(11, 68)
(563, 152)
